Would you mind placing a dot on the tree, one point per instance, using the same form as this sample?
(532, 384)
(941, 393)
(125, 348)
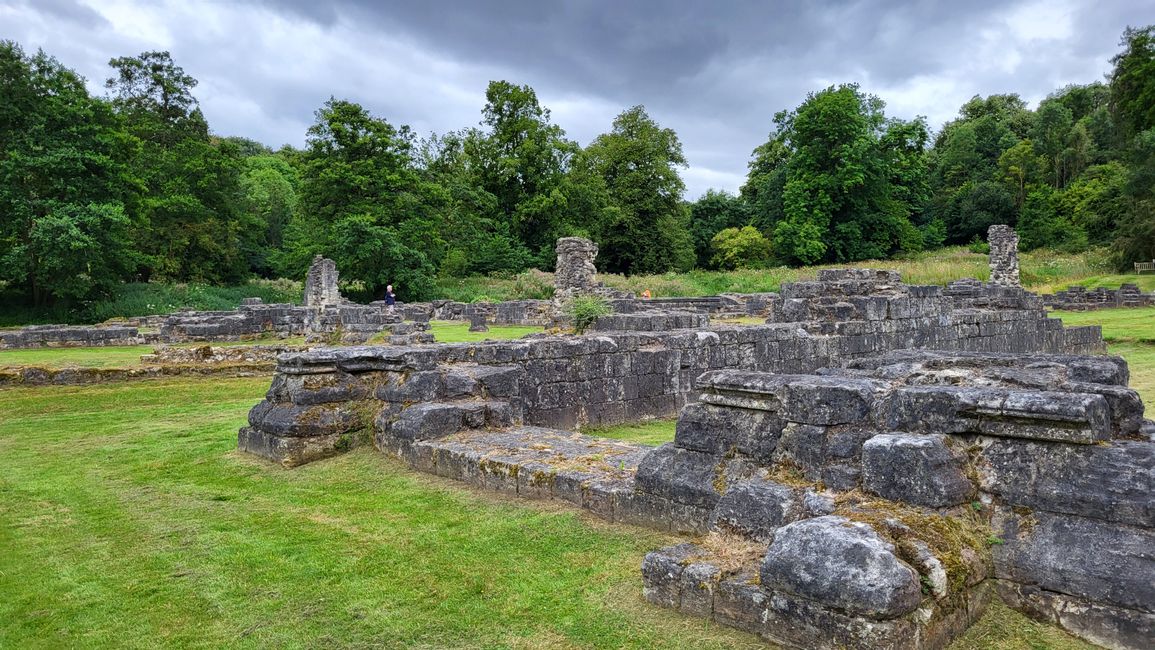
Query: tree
(522, 161)
(363, 203)
(712, 213)
(740, 248)
(64, 183)
(188, 222)
(1020, 166)
(1133, 103)
(840, 202)
(268, 184)
(638, 161)
(1133, 81)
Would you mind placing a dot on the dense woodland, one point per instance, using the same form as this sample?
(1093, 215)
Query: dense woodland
(135, 186)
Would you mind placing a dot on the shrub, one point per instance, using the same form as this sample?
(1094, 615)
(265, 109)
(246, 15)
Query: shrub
(584, 310)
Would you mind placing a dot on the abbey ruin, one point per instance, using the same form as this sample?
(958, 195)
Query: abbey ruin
(866, 469)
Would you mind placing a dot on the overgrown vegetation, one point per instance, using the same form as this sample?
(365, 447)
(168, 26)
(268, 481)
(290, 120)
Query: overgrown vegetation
(583, 311)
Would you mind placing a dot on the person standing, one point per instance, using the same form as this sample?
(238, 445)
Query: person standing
(390, 297)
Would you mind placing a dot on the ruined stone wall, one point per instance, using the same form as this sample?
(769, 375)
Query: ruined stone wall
(623, 376)
(1076, 298)
(69, 336)
(889, 498)
(321, 284)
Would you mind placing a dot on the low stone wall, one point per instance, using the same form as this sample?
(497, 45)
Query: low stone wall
(890, 497)
(1076, 298)
(69, 336)
(210, 355)
(37, 376)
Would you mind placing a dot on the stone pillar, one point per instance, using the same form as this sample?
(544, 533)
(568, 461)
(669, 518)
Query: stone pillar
(321, 283)
(575, 273)
(477, 322)
(1004, 256)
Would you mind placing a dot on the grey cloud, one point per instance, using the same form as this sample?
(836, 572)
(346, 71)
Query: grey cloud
(716, 72)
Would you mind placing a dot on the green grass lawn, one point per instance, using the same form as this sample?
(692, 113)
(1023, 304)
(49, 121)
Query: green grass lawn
(653, 432)
(1119, 325)
(125, 356)
(128, 519)
(446, 331)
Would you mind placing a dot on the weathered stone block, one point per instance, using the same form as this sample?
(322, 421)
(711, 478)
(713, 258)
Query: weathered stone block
(755, 508)
(828, 401)
(662, 572)
(298, 421)
(913, 468)
(1115, 482)
(841, 564)
(715, 430)
(1088, 558)
(680, 475)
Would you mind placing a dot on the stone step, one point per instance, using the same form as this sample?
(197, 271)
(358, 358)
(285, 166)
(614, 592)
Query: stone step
(596, 474)
(434, 420)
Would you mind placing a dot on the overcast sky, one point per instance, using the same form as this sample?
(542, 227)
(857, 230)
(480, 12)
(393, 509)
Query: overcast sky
(714, 71)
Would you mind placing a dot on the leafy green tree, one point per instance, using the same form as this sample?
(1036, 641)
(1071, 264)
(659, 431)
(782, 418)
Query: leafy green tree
(1020, 167)
(975, 207)
(638, 161)
(1133, 103)
(1096, 202)
(840, 199)
(1133, 81)
(522, 161)
(268, 183)
(740, 248)
(1041, 225)
(188, 223)
(363, 202)
(64, 182)
(1049, 136)
(712, 213)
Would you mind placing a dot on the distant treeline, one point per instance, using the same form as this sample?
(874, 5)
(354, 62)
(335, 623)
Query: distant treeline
(134, 186)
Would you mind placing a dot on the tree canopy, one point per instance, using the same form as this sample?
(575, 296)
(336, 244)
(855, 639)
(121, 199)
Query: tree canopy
(135, 186)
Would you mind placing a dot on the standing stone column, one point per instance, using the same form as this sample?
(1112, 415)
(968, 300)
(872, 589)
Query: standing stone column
(321, 283)
(575, 273)
(1004, 256)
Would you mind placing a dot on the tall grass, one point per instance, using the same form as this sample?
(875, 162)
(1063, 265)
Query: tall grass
(1039, 269)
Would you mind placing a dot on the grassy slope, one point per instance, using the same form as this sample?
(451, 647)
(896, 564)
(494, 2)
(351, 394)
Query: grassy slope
(1039, 269)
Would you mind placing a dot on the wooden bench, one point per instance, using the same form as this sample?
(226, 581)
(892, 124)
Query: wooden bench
(1145, 266)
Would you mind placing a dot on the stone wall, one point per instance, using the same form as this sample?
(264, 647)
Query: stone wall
(321, 284)
(890, 497)
(623, 376)
(69, 336)
(1076, 298)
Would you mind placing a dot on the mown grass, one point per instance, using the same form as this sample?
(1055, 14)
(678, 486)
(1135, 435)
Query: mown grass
(128, 519)
(445, 331)
(653, 432)
(120, 356)
(1130, 333)
(128, 356)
